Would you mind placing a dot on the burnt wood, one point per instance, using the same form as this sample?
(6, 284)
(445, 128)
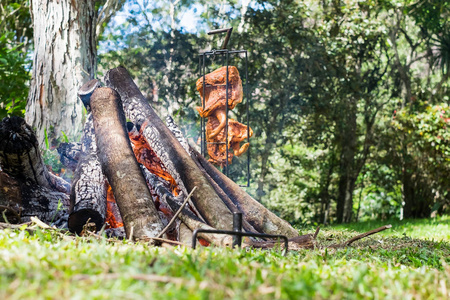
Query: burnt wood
(88, 196)
(26, 187)
(177, 162)
(139, 215)
(257, 218)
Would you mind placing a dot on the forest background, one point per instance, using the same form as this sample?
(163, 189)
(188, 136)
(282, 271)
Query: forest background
(349, 100)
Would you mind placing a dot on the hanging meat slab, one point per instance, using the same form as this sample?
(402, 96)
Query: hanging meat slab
(213, 92)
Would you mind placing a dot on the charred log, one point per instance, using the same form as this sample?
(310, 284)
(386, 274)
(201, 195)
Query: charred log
(26, 187)
(169, 150)
(120, 166)
(88, 196)
(69, 154)
(257, 218)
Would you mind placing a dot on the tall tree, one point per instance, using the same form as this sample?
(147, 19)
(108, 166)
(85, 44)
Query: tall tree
(65, 39)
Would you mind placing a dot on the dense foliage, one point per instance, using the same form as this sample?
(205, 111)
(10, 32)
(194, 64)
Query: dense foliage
(15, 40)
(349, 99)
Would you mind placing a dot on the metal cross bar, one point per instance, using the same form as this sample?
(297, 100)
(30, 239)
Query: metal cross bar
(238, 234)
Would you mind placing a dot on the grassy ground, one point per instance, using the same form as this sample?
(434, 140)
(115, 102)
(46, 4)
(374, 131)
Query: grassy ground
(391, 265)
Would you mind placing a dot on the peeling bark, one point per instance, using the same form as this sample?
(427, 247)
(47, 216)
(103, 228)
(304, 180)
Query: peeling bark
(64, 58)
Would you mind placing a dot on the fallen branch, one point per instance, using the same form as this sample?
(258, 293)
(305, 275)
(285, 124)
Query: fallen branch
(361, 236)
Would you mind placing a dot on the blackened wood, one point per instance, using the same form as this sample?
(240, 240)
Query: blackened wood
(88, 196)
(26, 187)
(20, 156)
(69, 154)
(120, 166)
(224, 197)
(178, 163)
(254, 212)
(86, 91)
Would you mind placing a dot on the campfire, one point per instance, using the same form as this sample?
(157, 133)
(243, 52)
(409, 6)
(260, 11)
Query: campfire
(140, 180)
(133, 176)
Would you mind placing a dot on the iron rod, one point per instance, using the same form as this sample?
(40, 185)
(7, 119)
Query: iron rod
(237, 227)
(242, 234)
(247, 102)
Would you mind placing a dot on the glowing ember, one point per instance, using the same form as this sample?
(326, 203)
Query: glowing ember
(146, 156)
(113, 218)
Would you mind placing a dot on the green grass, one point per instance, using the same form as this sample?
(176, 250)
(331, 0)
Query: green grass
(384, 266)
(437, 229)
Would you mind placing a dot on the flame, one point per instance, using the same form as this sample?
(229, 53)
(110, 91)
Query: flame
(146, 156)
(113, 218)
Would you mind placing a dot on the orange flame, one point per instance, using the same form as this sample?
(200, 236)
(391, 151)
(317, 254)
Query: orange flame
(113, 217)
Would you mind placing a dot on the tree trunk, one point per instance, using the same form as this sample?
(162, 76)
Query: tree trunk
(64, 58)
(177, 162)
(347, 177)
(116, 157)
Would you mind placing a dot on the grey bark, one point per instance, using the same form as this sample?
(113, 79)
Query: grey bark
(64, 58)
(88, 196)
(178, 163)
(121, 168)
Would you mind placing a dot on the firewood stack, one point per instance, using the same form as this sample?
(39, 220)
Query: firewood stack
(137, 173)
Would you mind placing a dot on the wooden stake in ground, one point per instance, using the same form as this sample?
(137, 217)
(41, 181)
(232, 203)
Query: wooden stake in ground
(119, 164)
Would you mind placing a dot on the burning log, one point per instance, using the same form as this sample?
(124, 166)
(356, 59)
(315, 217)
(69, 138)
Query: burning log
(119, 164)
(175, 159)
(187, 217)
(26, 187)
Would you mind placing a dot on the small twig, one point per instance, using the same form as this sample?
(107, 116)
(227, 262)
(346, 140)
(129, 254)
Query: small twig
(130, 238)
(15, 226)
(317, 232)
(177, 213)
(4, 217)
(102, 229)
(358, 237)
(166, 241)
(39, 223)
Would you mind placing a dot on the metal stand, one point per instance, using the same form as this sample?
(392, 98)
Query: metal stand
(202, 65)
(238, 234)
